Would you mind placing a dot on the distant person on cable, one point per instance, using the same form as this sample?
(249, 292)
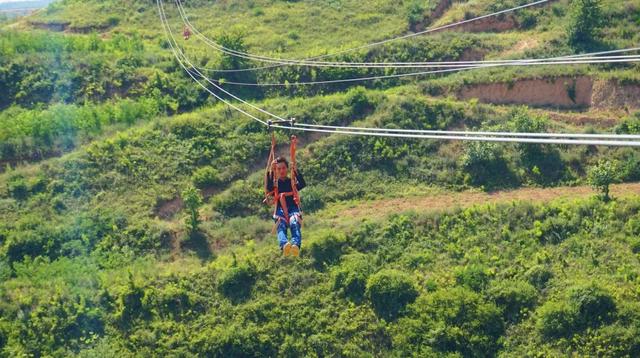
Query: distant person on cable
(287, 211)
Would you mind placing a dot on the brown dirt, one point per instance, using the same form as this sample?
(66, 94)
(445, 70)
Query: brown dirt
(449, 201)
(553, 92)
(439, 10)
(559, 92)
(167, 209)
(472, 54)
(612, 94)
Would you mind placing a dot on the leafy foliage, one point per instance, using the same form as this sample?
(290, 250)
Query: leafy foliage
(586, 19)
(389, 292)
(602, 175)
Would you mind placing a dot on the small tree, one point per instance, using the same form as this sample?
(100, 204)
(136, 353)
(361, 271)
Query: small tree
(602, 175)
(585, 21)
(415, 14)
(192, 201)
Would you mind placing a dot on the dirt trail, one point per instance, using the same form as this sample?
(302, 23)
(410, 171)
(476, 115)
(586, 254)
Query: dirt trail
(448, 201)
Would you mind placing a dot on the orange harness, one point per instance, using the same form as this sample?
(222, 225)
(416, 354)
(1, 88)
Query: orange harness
(274, 195)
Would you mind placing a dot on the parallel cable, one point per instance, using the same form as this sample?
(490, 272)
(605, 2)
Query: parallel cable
(341, 130)
(634, 59)
(473, 138)
(308, 61)
(168, 32)
(505, 134)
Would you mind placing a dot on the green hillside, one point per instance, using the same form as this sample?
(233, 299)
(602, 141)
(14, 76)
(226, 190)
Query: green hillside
(411, 247)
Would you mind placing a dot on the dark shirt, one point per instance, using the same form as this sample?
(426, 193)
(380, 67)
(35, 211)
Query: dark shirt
(284, 186)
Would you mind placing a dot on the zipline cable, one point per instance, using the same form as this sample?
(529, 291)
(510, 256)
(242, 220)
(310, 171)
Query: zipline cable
(473, 138)
(387, 134)
(168, 32)
(505, 134)
(390, 65)
(280, 61)
(634, 59)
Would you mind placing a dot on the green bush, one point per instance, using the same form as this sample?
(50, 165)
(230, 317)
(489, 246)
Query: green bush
(485, 166)
(455, 322)
(635, 246)
(359, 102)
(586, 19)
(515, 298)
(585, 307)
(129, 305)
(17, 187)
(475, 277)
(312, 199)
(539, 276)
(602, 175)
(389, 291)
(629, 125)
(326, 249)
(594, 305)
(241, 199)
(237, 340)
(612, 341)
(350, 277)
(192, 202)
(556, 320)
(542, 163)
(76, 321)
(28, 244)
(171, 301)
(206, 177)
(556, 229)
(236, 282)
(415, 14)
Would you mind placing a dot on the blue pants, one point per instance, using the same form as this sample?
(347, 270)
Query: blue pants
(294, 225)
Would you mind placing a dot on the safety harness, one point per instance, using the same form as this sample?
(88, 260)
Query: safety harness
(275, 197)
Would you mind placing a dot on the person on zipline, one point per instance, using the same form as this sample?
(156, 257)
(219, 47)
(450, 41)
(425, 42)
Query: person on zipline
(287, 212)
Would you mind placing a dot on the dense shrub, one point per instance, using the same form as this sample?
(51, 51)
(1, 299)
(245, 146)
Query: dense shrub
(453, 320)
(556, 320)
(602, 175)
(312, 199)
(129, 305)
(612, 341)
(75, 322)
(514, 298)
(206, 177)
(556, 229)
(586, 19)
(236, 282)
(350, 277)
(475, 277)
(484, 165)
(593, 305)
(539, 276)
(235, 341)
(326, 249)
(585, 307)
(241, 199)
(17, 187)
(542, 164)
(389, 291)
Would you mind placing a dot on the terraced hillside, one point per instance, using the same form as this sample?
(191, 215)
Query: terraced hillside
(411, 247)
